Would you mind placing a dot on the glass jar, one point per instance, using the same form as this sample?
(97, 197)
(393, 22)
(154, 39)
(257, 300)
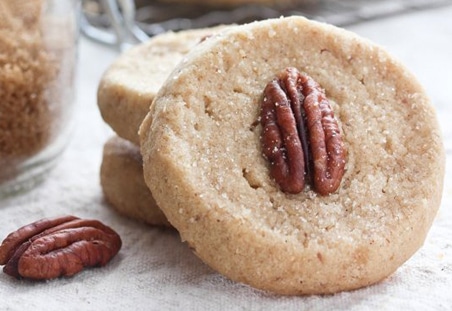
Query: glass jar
(38, 53)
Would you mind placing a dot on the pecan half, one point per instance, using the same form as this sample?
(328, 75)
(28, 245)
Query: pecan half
(301, 137)
(63, 246)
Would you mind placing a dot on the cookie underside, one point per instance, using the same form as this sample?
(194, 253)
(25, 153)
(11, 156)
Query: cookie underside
(209, 177)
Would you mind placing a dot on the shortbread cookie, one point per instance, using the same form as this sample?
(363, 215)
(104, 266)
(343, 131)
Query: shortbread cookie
(202, 154)
(121, 177)
(129, 85)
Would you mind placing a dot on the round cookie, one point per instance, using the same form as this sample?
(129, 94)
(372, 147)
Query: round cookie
(121, 178)
(130, 83)
(201, 142)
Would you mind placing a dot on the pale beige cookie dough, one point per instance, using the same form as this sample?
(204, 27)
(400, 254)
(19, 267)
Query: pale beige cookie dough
(203, 160)
(130, 83)
(121, 177)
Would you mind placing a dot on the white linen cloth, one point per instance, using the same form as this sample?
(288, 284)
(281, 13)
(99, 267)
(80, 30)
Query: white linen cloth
(155, 271)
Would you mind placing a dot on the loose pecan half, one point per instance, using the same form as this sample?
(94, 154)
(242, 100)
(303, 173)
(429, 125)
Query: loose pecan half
(63, 246)
(301, 137)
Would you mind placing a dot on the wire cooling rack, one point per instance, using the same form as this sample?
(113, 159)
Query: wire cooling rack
(124, 22)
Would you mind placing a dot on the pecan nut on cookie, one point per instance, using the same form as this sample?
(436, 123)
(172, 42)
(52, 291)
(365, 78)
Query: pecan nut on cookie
(292, 99)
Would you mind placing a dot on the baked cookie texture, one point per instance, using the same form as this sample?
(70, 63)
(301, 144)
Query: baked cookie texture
(203, 160)
(122, 182)
(130, 83)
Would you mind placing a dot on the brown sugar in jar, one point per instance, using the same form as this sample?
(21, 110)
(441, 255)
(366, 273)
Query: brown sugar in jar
(37, 60)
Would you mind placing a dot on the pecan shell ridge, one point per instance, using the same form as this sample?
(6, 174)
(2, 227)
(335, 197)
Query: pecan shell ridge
(67, 252)
(319, 151)
(60, 247)
(12, 266)
(281, 143)
(16, 238)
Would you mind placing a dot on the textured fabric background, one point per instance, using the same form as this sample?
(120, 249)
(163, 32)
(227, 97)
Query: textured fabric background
(155, 271)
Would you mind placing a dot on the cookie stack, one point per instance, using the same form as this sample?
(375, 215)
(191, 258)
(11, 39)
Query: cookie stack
(241, 114)
(125, 93)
